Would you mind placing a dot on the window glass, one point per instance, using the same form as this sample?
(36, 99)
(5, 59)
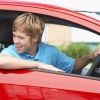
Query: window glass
(73, 41)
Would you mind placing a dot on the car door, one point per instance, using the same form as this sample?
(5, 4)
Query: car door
(62, 27)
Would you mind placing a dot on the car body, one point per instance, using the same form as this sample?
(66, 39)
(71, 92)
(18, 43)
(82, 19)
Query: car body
(39, 84)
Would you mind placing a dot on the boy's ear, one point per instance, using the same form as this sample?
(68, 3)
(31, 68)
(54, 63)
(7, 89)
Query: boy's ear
(35, 39)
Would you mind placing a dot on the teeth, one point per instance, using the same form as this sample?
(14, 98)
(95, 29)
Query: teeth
(18, 46)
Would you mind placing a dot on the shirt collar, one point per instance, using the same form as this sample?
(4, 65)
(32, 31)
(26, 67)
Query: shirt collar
(36, 57)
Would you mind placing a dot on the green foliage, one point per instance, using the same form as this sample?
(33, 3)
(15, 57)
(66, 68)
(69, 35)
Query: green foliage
(75, 50)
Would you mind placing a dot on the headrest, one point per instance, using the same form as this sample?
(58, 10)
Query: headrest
(6, 37)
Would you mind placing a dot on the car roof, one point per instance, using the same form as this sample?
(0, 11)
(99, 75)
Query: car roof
(51, 10)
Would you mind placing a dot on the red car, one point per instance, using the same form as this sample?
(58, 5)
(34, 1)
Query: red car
(39, 84)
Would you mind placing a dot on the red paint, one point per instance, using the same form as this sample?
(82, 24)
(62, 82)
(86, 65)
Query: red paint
(36, 85)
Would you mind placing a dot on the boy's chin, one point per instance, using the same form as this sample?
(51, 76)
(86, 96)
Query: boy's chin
(20, 51)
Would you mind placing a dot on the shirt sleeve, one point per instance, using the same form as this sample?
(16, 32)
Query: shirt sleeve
(10, 51)
(65, 62)
(6, 51)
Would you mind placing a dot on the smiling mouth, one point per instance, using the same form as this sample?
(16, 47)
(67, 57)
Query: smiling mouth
(18, 47)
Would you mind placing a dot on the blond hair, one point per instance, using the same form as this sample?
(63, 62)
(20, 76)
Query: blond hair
(30, 24)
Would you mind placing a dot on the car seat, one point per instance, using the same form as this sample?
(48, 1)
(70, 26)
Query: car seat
(5, 33)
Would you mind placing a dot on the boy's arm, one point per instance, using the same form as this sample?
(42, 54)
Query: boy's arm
(10, 62)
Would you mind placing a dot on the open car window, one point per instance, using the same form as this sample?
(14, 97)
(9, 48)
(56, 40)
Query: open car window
(71, 38)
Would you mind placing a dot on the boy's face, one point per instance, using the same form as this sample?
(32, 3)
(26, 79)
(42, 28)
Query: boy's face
(23, 42)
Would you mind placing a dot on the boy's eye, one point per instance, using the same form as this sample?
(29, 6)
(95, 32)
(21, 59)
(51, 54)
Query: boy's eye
(21, 37)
